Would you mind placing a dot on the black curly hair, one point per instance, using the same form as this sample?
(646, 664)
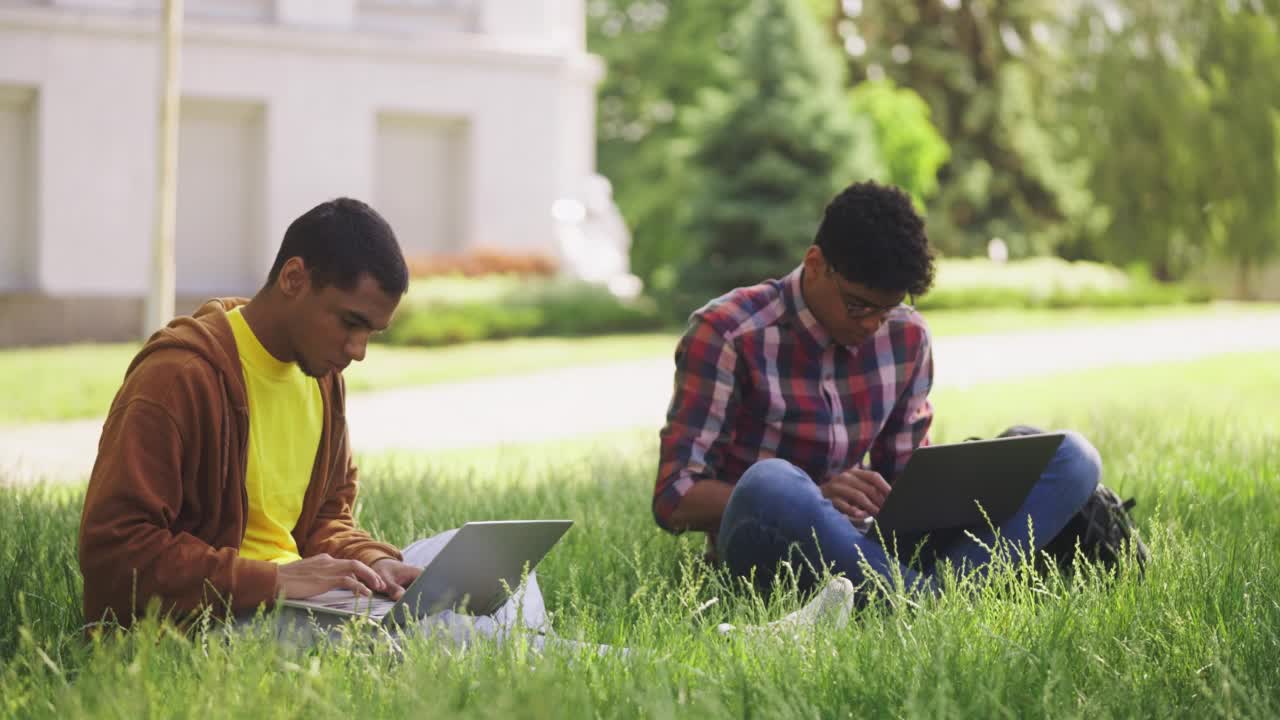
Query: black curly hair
(871, 234)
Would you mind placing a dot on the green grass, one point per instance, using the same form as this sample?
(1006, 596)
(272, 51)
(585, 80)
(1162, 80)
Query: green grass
(390, 367)
(79, 381)
(943, 323)
(449, 311)
(1199, 636)
(61, 383)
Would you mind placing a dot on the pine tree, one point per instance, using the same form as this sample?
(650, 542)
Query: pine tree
(775, 150)
(660, 57)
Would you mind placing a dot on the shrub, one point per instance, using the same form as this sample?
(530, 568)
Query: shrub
(580, 309)
(453, 324)
(450, 310)
(446, 311)
(483, 261)
(1050, 282)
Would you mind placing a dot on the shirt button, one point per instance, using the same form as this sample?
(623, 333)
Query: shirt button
(827, 377)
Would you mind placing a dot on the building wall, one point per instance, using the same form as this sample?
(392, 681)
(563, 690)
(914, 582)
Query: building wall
(286, 104)
(17, 169)
(220, 228)
(421, 181)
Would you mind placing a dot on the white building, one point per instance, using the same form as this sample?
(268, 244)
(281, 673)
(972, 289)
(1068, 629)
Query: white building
(462, 121)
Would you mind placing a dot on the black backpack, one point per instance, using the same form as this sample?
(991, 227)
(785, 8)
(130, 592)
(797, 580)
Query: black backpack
(1103, 530)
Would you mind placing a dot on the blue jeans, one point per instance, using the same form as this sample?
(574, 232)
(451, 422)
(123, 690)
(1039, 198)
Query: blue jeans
(777, 512)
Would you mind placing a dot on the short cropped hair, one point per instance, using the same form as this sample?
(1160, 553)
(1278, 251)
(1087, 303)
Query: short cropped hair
(871, 234)
(339, 241)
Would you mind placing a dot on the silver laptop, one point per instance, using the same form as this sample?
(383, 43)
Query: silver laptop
(474, 572)
(966, 485)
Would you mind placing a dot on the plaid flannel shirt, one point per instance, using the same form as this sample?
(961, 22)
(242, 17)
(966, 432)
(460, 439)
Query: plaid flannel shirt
(758, 377)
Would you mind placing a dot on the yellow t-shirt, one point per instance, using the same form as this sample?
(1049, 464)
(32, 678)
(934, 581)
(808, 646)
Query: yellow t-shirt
(286, 416)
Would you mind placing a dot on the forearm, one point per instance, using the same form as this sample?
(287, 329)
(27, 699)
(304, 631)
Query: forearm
(126, 570)
(702, 507)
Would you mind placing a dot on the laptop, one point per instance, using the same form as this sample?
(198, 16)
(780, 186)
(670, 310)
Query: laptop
(966, 485)
(475, 572)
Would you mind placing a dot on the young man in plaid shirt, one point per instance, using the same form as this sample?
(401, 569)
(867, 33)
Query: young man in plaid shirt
(782, 389)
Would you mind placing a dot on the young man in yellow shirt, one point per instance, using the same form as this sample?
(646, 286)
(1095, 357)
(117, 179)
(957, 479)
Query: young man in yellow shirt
(224, 479)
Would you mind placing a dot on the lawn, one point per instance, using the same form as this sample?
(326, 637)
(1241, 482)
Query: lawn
(78, 381)
(1199, 636)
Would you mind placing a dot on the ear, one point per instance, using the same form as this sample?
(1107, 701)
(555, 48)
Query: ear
(814, 260)
(294, 279)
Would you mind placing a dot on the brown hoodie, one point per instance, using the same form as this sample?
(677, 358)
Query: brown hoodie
(166, 507)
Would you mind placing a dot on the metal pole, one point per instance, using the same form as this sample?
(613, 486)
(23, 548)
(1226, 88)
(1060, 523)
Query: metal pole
(159, 306)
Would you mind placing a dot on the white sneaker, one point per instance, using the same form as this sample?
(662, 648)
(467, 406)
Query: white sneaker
(833, 605)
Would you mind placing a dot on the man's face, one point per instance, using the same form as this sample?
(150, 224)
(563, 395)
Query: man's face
(850, 312)
(330, 327)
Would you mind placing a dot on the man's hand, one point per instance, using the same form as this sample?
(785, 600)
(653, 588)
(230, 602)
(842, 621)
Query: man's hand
(322, 573)
(856, 492)
(396, 575)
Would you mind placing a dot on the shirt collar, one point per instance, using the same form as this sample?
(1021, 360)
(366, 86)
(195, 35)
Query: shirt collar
(253, 354)
(795, 300)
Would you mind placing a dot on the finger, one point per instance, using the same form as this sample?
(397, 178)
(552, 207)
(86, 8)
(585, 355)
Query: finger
(865, 502)
(857, 498)
(871, 483)
(853, 513)
(875, 493)
(874, 480)
(867, 489)
(882, 485)
(349, 582)
(366, 575)
(394, 591)
(845, 508)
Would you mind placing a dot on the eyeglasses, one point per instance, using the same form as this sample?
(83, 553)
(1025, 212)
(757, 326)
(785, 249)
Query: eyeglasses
(858, 309)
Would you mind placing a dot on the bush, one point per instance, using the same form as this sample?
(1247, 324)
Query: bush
(450, 310)
(1049, 282)
(444, 311)
(482, 261)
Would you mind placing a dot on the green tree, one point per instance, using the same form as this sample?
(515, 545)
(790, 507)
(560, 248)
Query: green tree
(776, 147)
(982, 68)
(1140, 112)
(1177, 110)
(911, 148)
(1240, 67)
(660, 56)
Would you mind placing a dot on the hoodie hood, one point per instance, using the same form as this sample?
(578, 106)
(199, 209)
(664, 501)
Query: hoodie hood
(206, 333)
